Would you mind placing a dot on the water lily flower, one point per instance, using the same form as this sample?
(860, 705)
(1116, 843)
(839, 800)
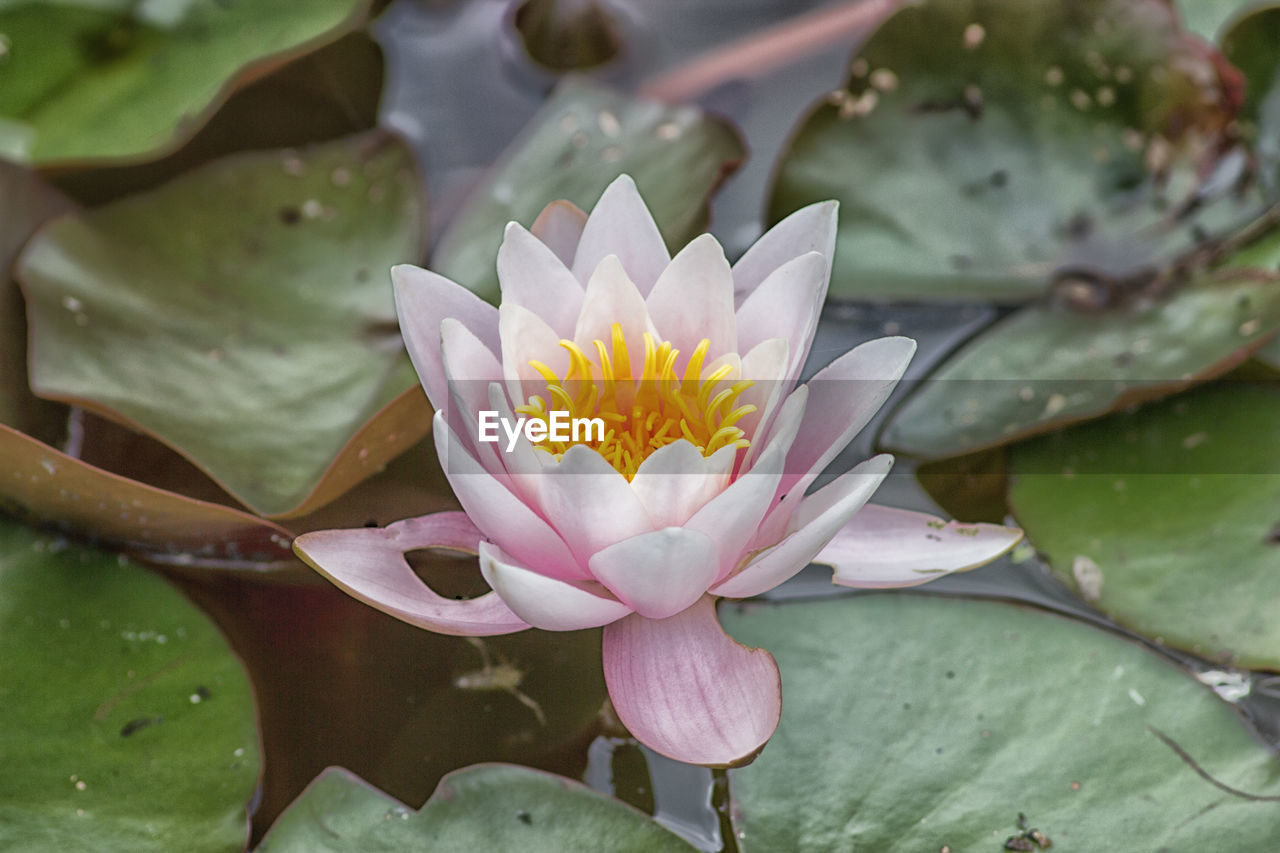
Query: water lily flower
(694, 489)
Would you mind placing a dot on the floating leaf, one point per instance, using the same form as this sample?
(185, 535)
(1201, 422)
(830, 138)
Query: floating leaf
(486, 807)
(126, 723)
(242, 315)
(1029, 138)
(122, 80)
(1206, 18)
(581, 139)
(920, 723)
(1166, 519)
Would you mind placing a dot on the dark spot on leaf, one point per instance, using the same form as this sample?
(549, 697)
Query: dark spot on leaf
(951, 674)
(138, 725)
(362, 274)
(1078, 227)
(1124, 359)
(1273, 535)
(290, 215)
(1019, 842)
(203, 692)
(110, 42)
(999, 178)
(524, 817)
(961, 262)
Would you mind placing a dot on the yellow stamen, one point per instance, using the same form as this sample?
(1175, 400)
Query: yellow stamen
(644, 412)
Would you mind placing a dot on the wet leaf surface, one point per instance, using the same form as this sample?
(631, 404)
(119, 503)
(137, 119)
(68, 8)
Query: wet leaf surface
(121, 80)
(916, 723)
(490, 807)
(583, 137)
(241, 314)
(126, 723)
(1027, 139)
(1165, 519)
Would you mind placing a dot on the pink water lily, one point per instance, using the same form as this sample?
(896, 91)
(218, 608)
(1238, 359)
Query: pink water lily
(698, 489)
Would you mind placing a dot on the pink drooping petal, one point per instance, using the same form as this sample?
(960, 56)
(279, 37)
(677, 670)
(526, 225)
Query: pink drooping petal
(532, 276)
(501, 516)
(547, 603)
(527, 338)
(693, 300)
(809, 229)
(688, 690)
(817, 520)
(787, 305)
(589, 503)
(611, 298)
(731, 517)
(423, 300)
(560, 225)
(369, 564)
(843, 397)
(676, 480)
(621, 225)
(660, 573)
(886, 547)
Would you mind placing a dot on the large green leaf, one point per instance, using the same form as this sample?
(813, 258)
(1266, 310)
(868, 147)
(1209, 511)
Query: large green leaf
(1166, 518)
(126, 723)
(582, 138)
(117, 79)
(984, 146)
(1048, 365)
(1206, 18)
(242, 314)
(914, 723)
(486, 807)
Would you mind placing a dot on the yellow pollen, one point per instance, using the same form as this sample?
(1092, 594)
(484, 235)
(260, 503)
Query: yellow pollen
(641, 412)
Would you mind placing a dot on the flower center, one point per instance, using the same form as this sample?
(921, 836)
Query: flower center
(641, 412)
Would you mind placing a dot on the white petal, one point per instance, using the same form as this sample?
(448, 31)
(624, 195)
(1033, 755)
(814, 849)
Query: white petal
(525, 338)
(589, 502)
(786, 305)
(693, 299)
(611, 298)
(547, 603)
(885, 547)
(809, 229)
(731, 517)
(621, 225)
(532, 276)
(660, 573)
(676, 480)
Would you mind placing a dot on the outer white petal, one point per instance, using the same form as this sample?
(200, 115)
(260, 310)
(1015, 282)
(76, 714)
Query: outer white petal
(809, 229)
(660, 573)
(818, 519)
(532, 276)
(547, 603)
(469, 367)
(786, 305)
(885, 547)
(693, 300)
(423, 300)
(621, 225)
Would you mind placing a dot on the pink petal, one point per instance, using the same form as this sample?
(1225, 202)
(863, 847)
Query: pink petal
(612, 298)
(369, 564)
(660, 573)
(843, 397)
(809, 229)
(693, 300)
(818, 519)
(732, 517)
(547, 603)
(532, 276)
(765, 365)
(501, 516)
(423, 300)
(589, 503)
(560, 225)
(469, 367)
(621, 225)
(676, 480)
(786, 305)
(688, 690)
(886, 547)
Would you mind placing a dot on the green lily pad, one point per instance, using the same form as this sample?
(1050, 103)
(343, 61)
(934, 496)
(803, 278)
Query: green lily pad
(916, 723)
(582, 138)
(126, 723)
(1030, 137)
(485, 807)
(120, 80)
(242, 315)
(1166, 518)
(1206, 18)
(1250, 45)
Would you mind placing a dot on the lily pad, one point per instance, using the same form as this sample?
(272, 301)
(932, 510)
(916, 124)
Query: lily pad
(920, 723)
(485, 807)
(1206, 18)
(1166, 518)
(582, 138)
(1049, 365)
(126, 723)
(1029, 138)
(120, 80)
(242, 315)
